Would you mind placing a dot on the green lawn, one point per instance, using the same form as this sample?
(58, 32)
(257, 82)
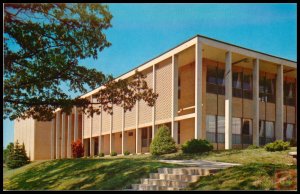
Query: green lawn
(80, 174)
(241, 156)
(253, 176)
(116, 173)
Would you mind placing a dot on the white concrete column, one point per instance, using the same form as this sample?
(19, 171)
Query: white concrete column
(58, 135)
(255, 105)
(75, 123)
(174, 98)
(85, 145)
(63, 137)
(111, 139)
(228, 101)
(137, 135)
(91, 132)
(100, 133)
(52, 139)
(123, 134)
(198, 89)
(279, 104)
(92, 146)
(82, 127)
(153, 108)
(69, 151)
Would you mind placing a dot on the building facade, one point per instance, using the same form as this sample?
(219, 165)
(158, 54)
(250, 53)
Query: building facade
(208, 89)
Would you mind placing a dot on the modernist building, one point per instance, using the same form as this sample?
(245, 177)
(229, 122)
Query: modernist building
(208, 89)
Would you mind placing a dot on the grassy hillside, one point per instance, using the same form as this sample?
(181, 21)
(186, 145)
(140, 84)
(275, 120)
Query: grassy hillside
(254, 176)
(80, 174)
(115, 173)
(241, 156)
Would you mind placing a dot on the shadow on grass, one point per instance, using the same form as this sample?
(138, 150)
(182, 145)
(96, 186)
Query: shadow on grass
(84, 174)
(254, 176)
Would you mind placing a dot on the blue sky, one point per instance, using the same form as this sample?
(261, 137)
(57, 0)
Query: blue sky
(142, 31)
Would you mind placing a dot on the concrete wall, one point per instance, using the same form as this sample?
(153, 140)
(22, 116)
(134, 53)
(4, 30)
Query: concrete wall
(129, 144)
(24, 132)
(117, 147)
(43, 141)
(164, 89)
(187, 130)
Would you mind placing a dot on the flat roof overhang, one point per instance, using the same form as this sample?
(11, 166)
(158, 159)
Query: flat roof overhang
(207, 41)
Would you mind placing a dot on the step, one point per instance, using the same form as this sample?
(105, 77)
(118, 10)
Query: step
(188, 171)
(167, 183)
(178, 177)
(145, 187)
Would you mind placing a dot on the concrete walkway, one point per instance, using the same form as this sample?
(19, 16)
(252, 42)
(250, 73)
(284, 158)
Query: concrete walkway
(201, 163)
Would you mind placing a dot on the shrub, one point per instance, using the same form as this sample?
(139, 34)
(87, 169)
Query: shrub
(162, 143)
(6, 152)
(17, 157)
(77, 148)
(196, 146)
(278, 145)
(293, 142)
(113, 154)
(252, 147)
(101, 154)
(126, 153)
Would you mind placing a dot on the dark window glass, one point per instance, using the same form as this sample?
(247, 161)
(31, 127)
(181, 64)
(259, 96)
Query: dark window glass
(211, 128)
(221, 81)
(237, 84)
(289, 93)
(211, 84)
(270, 90)
(211, 75)
(247, 86)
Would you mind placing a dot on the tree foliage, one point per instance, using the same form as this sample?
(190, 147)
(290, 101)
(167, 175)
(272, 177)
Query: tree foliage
(17, 157)
(43, 44)
(7, 151)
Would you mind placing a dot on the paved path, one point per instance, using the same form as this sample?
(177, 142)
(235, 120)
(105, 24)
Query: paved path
(201, 163)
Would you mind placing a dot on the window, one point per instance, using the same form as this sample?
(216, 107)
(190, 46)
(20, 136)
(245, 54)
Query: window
(211, 74)
(267, 84)
(270, 90)
(270, 133)
(261, 128)
(247, 127)
(215, 82)
(236, 131)
(211, 128)
(221, 81)
(247, 131)
(262, 80)
(288, 131)
(221, 129)
(289, 93)
(237, 84)
(247, 85)
(144, 137)
(211, 80)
